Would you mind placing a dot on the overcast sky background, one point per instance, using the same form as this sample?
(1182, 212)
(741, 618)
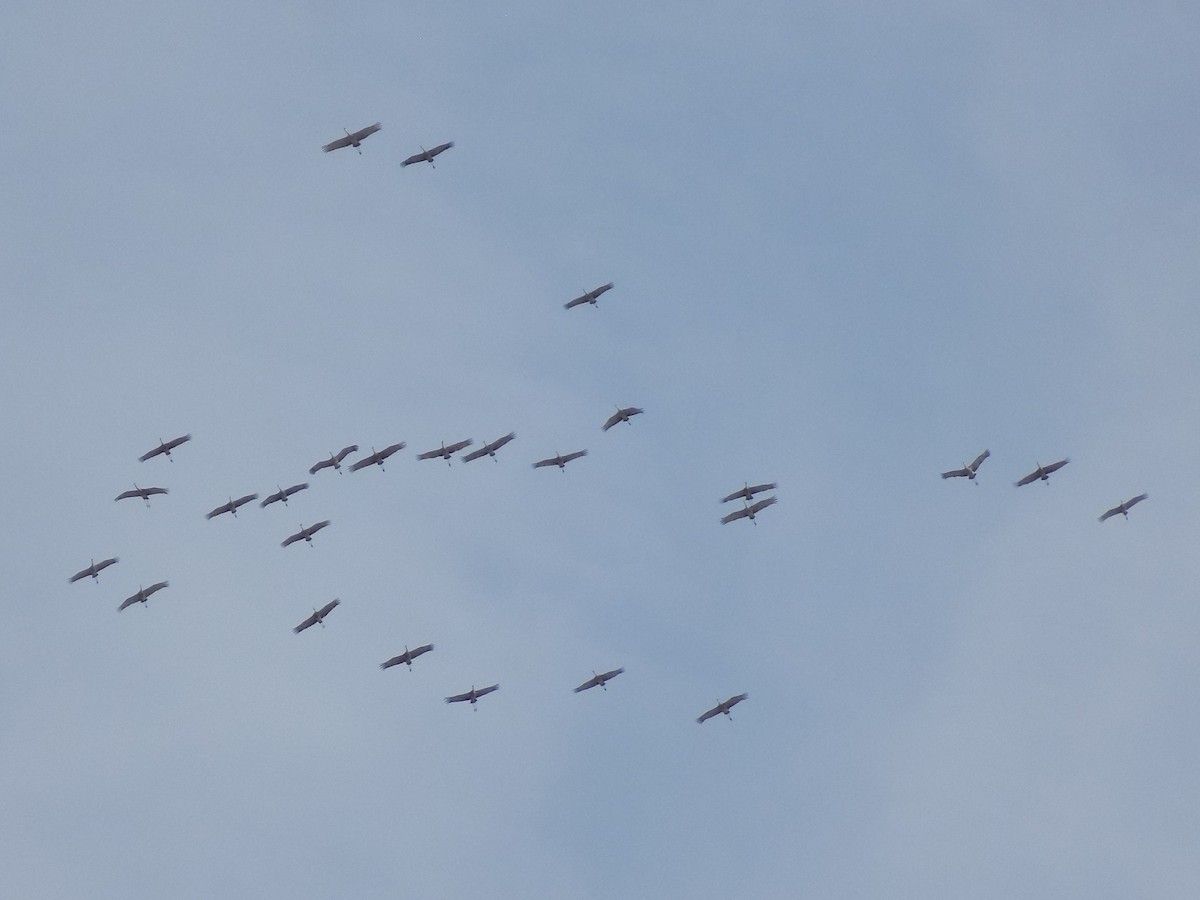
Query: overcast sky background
(853, 245)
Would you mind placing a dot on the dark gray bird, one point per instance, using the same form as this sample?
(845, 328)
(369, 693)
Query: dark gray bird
(283, 493)
(446, 452)
(968, 470)
(142, 595)
(1123, 508)
(589, 296)
(93, 570)
(427, 155)
(599, 680)
(406, 657)
(559, 460)
(723, 707)
(305, 533)
(144, 493)
(472, 695)
(749, 511)
(489, 449)
(335, 460)
(748, 491)
(317, 618)
(376, 457)
(165, 447)
(621, 415)
(232, 506)
(1042, 472)
(352, 140)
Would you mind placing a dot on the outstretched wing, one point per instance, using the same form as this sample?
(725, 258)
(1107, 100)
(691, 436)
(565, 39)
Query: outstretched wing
(327, 608)
(735, 515)
(590, 683)
(541, 463)
(500, 442)
(388, 451)
(716, 710)
(424, 648)
(957, 473)
(734, 701)
(352, 139)
(763, 504)
(1055, 466)
(292, 538)
(440, 148)
(317, 467)
(600, 290)
(1115, 511)
(313, 529)
(475, 454)
(346, 451)
(365, 461)
(1031, 477)
(223, 508)
(609, 676)
(576, 302)
(458, 698)
(158, 586)
(129, 601)
(575, 455)
(242, 501)
(978, 461)
(307, 623)
(1129, 504)
(487, 690)
(611, 421)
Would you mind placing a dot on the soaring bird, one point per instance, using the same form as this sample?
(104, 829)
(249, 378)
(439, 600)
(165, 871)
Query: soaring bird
(352, 140)
(599, 680)
(142, 595)
(427, 155)
(968, 470)
(446, 452)
(749, 511)
(165, 447)
(335, 460)
(472, 695)
(589, 296)
(317, 618)
(748, 491)
(1123, 508)
(305, 533)
(621, 415)
(232, 506)
(283, 493)
(559, 460)
(724, 707)
(144, 493)
(93, 570)
(406, 657)
(489, 449)
(376, 457)
(1042, 472)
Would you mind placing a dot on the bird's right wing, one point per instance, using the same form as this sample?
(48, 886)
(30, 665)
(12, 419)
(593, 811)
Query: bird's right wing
(319, 466)
(365, 132)
(313, 529)
(612, 420)
(738, 495)
(1110, 513)
(458, 698)
(956, 473)
(78, 575)
(704, 717)
(295, 489)
(737, 514)
(1031, 477)
(394, 661)
(607, 676)
(415, 158)
(590, 683)
(327, 608)
(338, 144)
(365, 461)
(425, 648)
(291, 539)
(600, 290)
(307, 623)
(553, 461)
(575, 455)
(1055, 466)
(576, 302)
(1132, 501)
(475, 454)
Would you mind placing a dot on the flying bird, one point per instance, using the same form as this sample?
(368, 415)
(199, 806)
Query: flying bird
(489, 449)
(559, 460)
(724, 707)
(748, 491)
(352, 140)
(968, 470)
(335, 460)
(472, 695)
(144, 493)
(232, 506)
(1121, 509)
(283, 493)
(599, 680)
(446, 452)
(142, 595)
(165, 447)
(621, 415)
(377, 457)
(317, 618)
(93, 570)
(749, 511)
(427, 155)
(1042, 472)
(305, 533)
(589, 296)
(406, 657)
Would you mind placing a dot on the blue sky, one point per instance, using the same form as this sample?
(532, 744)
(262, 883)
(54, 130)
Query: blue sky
(853, 246)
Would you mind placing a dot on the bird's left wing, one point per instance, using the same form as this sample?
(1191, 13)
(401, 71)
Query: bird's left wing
(487, 690)
(1055, 466)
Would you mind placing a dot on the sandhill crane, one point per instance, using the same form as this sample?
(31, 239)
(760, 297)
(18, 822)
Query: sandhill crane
(428, 155)
(749, 511)
(489, 449)
(723, 707)
(305, 533)
(748, 491)
(317, 618)
(472, 695)
(283, 493)
(559, 460)
(406, 657)
(621, 415)
(352, 140)
(165, 447)
(335, 460)
(1042, 472)
(446, 452)
(1123, 508)
(599, 680)
(376, 457)
(93, 570)
(144, 493)
(143, 594)
(969, 469)
(588, 296)
(232, 506)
